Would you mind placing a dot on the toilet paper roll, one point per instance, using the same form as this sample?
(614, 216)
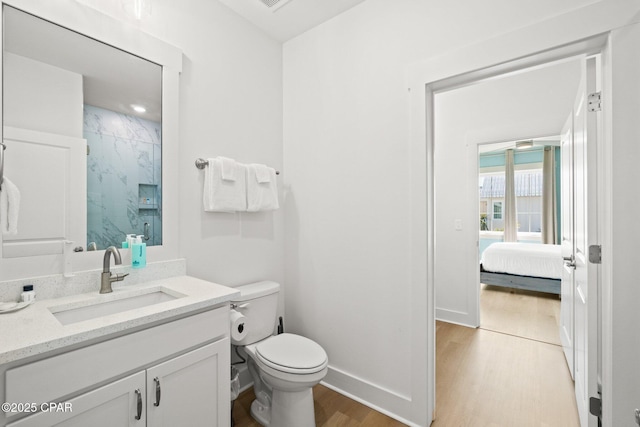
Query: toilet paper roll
(238, 326)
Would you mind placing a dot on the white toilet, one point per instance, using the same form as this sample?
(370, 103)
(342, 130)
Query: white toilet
(284, 367)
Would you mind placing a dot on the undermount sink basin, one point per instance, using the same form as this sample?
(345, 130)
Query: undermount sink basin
(111, 304)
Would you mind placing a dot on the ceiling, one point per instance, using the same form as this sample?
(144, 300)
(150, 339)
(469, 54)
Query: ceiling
(292, 17)
(112, 79)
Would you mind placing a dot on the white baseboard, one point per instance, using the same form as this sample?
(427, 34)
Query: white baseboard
(390, 403)
(246, 382)
(375, 397)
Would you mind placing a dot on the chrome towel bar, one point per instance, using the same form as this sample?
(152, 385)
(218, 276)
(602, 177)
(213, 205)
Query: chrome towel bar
(202, 163)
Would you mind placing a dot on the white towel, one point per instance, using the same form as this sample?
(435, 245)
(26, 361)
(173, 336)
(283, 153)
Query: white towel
(263, 174)
(220, 195)
(9, 208)
(261, 196)
(229, 169)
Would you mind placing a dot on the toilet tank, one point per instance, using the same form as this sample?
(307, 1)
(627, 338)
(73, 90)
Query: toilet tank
(258, 302)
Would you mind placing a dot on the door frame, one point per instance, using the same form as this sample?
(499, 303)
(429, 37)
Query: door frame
(473, 150)
(597, 45)
(584, 31)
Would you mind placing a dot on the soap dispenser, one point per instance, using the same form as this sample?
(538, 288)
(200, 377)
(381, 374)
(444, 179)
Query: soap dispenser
(138, 253)
(127, 247)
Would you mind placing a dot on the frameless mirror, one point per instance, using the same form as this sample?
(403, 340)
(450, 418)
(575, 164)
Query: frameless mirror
(82, 125)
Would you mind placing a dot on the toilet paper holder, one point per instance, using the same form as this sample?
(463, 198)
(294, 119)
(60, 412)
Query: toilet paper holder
(236, 306)
(238, 326)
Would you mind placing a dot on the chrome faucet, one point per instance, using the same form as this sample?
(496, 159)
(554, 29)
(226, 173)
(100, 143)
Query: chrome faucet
(107, 277)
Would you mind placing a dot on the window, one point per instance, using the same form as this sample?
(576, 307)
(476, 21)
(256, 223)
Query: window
(491, 188)
(528, 189)
(529, 200)
(497, 210)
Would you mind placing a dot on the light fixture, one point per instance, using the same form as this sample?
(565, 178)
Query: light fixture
(521, 145)
(138, 8)
(138, 108)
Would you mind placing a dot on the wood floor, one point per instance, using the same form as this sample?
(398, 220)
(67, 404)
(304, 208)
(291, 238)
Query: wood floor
(494, 377)
(510, 372)
(527, 314)
(332, 410)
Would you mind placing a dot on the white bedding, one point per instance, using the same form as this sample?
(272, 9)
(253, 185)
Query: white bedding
(524, 259)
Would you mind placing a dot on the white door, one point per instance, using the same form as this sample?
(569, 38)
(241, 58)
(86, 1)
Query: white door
(567, 238)
(51, 174)
(585, 226)
(578, 310)
(192, 389)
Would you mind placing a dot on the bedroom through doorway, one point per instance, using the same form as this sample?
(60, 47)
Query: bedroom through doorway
(519, 187)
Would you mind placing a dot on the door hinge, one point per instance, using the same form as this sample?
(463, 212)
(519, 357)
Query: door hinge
(594, 102)
(595, 406)
(595, 254)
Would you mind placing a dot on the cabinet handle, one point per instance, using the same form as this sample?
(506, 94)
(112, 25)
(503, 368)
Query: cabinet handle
(157, 381)
(139, 399)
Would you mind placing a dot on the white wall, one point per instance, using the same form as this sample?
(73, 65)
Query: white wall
(231, 105)
(350, 231)
(28, 99)
(520, 106)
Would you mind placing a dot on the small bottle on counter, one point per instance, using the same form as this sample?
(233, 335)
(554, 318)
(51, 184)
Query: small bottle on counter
(28, 294)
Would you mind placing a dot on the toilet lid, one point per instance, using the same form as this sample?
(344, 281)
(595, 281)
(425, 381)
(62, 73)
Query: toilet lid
(291, 353)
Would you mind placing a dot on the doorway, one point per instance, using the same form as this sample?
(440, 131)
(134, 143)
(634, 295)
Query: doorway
(596, 28)
(531, 103)
(510, 304)
(470, 123)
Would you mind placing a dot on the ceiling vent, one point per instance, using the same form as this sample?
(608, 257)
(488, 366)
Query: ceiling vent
(274, 5)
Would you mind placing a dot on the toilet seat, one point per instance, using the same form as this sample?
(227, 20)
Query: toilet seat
(291, 354)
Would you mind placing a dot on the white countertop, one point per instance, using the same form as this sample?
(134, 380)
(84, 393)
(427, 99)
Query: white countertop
(35, 330)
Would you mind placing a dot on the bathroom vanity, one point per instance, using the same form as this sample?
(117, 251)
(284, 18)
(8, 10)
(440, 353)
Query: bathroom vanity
(145, 355)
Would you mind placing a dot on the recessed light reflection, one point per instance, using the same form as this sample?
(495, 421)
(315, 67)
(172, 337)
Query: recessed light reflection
(139, 108)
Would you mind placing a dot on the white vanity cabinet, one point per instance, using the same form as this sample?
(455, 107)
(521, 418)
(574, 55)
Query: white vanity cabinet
(112, 405)
(173, 374)
(184, 391)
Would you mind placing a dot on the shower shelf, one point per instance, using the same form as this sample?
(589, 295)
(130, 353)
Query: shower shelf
(148, 206)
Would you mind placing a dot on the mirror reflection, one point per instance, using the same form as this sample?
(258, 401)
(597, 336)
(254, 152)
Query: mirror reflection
(82, 125)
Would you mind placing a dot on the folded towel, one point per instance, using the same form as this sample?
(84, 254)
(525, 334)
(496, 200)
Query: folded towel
(220, 195)
(229, 169)
(261, 196)
(9, 207)
(263, 174)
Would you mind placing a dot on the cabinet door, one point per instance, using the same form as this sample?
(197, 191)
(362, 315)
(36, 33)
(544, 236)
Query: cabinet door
(192, 389)
(115, 404)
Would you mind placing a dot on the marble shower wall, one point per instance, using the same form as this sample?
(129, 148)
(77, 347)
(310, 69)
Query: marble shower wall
(124, 171)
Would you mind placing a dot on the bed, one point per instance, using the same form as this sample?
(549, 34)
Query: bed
(529, 266)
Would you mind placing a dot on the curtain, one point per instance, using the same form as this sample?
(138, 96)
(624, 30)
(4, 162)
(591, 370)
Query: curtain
(549, 208)
(510, 216)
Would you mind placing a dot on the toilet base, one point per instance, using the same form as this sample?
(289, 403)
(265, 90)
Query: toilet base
(293, 408)
(288, 409)
(261, 413)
